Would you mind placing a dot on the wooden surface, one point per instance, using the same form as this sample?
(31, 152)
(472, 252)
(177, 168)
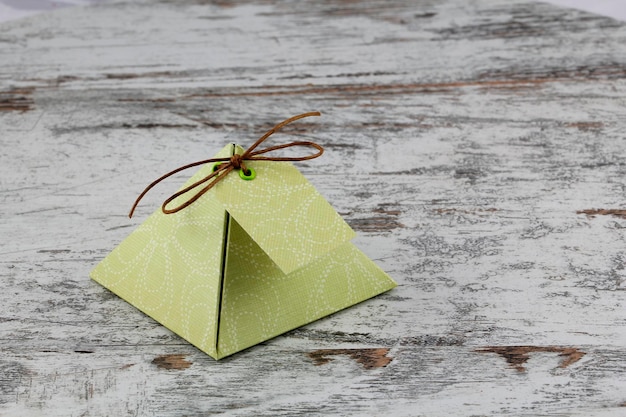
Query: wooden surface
(476, 147)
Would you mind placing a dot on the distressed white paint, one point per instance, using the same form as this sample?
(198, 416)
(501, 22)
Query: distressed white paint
(612, 8)
(461, 141)
(19, 9)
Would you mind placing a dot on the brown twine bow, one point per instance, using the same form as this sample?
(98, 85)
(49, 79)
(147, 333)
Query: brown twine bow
(229, 164)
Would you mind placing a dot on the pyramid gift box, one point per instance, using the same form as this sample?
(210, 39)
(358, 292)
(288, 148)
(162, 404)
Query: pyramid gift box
(248, 257)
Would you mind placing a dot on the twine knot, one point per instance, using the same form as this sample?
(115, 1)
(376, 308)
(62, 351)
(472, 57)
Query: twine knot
(237, 162)
(229, 164)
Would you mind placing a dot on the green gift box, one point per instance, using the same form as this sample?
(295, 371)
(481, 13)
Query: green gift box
(248, 261)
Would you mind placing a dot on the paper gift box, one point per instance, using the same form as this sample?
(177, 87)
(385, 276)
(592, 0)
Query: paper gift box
(248, 261)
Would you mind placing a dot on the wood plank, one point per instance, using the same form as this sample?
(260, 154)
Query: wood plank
(477, 148)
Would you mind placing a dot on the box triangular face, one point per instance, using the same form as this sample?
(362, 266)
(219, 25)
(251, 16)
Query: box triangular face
(260, 301)
(284, 214)
(170, 267)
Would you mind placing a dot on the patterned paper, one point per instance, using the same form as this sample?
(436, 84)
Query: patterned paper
(260, 301)
(170, 267)
(283, 213)
(247, 261)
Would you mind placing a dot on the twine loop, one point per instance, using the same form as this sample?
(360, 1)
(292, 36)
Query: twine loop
(229, 164)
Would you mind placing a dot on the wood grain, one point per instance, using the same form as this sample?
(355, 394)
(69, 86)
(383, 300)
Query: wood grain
(477, 148)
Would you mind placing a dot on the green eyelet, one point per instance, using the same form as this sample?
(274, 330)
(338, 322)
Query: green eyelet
(216, 166)
(250, 176)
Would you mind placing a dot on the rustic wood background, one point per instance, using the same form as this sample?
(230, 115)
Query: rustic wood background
(477, 147)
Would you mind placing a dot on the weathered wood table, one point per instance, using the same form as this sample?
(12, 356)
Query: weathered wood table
(478, 148)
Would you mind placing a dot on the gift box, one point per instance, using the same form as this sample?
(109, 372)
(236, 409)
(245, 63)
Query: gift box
(253, 254)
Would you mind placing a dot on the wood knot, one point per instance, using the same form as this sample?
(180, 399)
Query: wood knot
(175, 361)
(369, 358)
(517, 356)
